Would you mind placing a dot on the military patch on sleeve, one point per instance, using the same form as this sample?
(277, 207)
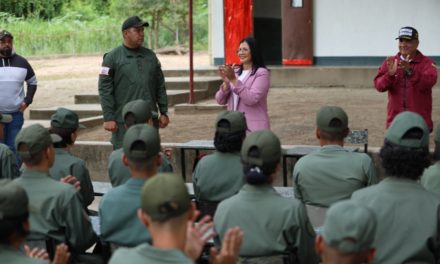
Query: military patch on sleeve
(105, 71)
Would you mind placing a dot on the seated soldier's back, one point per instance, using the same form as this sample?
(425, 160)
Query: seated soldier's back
(8, 163)
(118, 215)
(145, 253)
(218, 176)
(271, 223)
(332, 174)
(56, 210)
(408, 220)
(66, 164)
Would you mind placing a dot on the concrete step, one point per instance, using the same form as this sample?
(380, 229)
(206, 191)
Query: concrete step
(88, 122)
(198, 72)
(182, 83)
(83, 111)
(174, 97)
(190, 109)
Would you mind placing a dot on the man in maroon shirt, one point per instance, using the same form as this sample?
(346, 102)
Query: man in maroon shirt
(408, 77)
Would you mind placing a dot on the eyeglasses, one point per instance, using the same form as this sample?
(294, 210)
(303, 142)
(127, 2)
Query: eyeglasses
(243, 50)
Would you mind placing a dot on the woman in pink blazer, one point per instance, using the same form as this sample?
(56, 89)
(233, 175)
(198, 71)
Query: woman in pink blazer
(245, 90)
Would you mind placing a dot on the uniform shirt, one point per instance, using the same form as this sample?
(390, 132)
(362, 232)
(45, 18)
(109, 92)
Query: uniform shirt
(408, 219)
(431, 178)
(66, 164)
(14, 71)
(8, 163)
(408, 93)
(9, 255)
(145, 253)
(118, 215)
(119, 173)
(218, 176)
(268, 220)
(331, 174)
(57, 210)
(127, 75)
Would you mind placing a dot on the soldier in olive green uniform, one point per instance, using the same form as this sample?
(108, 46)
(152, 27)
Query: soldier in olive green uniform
(134, 112)
(131, 72)
(407, 214)
(8, 162)
(348, 234)
(272, 224)
(332, 173)
(58, 212)
(14, 226)
(219, 176)
(431, 176)
(65, 123)
(166, 210)
(119, 224)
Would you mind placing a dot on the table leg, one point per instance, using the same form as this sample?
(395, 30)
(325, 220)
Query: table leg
(284, 171)
(182, 163)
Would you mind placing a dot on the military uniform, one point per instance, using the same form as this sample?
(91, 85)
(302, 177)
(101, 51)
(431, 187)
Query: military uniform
(58, 211)
(218, 176)
(269, 222)
(8, 163)
(408, 220)
(128, 75)
(66, 164)
(9, 255)
(145, 253)
(332, 174)
(119, 173)
(431, 178)
(123, 228)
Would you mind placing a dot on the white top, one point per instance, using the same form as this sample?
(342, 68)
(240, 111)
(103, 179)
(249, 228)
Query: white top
(235, 97)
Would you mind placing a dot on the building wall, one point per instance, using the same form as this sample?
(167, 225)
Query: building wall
(367, 28)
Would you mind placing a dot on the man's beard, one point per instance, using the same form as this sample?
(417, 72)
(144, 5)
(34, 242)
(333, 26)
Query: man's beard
(6, 52)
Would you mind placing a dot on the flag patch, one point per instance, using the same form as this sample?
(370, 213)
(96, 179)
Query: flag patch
(104, 70)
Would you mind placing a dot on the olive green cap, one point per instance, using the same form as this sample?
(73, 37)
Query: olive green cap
(37, 138)
(165, 196)
(236, 120)
(404, 122)
(267, 144)
(326, 117)
(5, 118)
(14, 201)
(65, 118)
(140, 109)
(349, 227)
(134, 21)
(141, 142)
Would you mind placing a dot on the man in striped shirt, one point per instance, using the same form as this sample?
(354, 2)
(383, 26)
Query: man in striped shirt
(14, 71)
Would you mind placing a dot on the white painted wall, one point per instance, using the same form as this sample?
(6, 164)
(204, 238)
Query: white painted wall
(216, 34)
(369, 27)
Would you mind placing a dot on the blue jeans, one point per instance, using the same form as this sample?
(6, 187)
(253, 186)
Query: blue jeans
(10, 132)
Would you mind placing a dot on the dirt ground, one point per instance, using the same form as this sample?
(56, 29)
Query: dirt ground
(291, 110)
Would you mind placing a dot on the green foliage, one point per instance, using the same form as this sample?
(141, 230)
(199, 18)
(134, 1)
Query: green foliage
(93, 26)
(32, 8)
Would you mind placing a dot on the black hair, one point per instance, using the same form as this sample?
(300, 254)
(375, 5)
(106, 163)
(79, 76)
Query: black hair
(228, 142)
(11, 226)
(404, 162)
(258, 175)
(257, 58)
(65, 134)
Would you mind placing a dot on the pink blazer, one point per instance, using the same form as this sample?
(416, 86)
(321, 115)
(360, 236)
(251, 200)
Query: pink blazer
(252, 99)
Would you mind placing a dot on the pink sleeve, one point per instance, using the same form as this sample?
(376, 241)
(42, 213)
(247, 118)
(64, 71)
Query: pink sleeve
(259, 88)
(221, 96)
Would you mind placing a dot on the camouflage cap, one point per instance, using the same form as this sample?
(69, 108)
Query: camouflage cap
(332, 119)
(134, 21)
(65, 118)
(5, 33)
(14, 201)
(140, 109)
(141, 142)
(5, 118)
(404, 122)
(165, 196)
(37, 138)
(236, 121)
(349, 227)
(267, 144)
